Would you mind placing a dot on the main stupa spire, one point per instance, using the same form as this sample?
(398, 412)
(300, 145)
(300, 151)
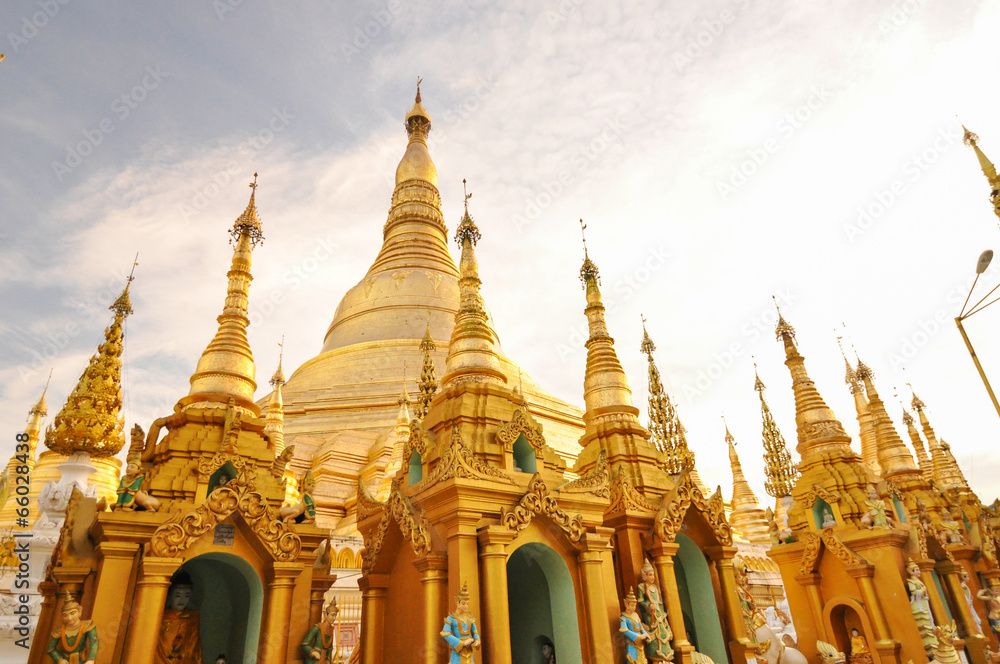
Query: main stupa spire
(226, 368)
(472, 354)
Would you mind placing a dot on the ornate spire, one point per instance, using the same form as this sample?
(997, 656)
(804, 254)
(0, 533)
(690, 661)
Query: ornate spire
(923, 460)
(226, 368)
(893, 456)
(605, 387)
(778, 467)
(428, 377)
(946, 473)
(955, 475)
(820, 433)
(416, 163)
(91, 420)
(472, 355)
(33, 429)
(866, 422)
(989, 170)
(746, 517)
(274, 421)
(666, 431)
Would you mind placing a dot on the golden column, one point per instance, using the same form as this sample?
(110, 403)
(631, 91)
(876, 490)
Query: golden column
(46, 617)
(590, 561)
(974, 641)
(663, 559)
(810, 582)
(887, 647)
(937, 605)
(723, 558)
(279, 610)
(151, 599)
(493, 541)
(114, 576)
(463, 556)
(434, 577)
(373, 587)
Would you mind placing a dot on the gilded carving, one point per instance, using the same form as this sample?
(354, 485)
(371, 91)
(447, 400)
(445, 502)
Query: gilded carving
(521, 423)
(182, 530)
(625, 497)
(283, 544)
(367, 505)
(675, 505)
(539, 501)
(460, 461)
(844, 553)
(818, 491)
(416, 442)
(596, 481)
(810, 554)
(412, 524)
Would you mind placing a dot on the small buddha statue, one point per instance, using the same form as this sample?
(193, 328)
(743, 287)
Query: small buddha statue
(317, 646)
(860, 654)
(828, 519)
(75, 641)
(180, 630)
(460, 630)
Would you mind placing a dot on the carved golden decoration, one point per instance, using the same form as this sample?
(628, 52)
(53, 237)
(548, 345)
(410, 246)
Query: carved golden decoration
(539, 501)
(596, 481)
(460, 461)
(810, 554)
(273, 533)
(367, 505)
(819, 492)
(416, 442)
(181, 531)
(625, 497)
(412, 524)
(521, 423)
(672, 511)
(844, 553)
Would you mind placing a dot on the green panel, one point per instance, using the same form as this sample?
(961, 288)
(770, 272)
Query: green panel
(415, 470)
(542, 603)
(524, 455)
(700, 599)
(230, 598)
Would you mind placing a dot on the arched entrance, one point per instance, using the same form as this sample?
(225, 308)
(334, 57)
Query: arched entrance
(701, 615)
(542, 604)
(230, 597)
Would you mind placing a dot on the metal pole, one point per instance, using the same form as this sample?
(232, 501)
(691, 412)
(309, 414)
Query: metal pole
(982, 374)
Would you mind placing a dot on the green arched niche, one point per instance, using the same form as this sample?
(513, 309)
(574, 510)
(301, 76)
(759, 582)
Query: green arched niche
(694, 582)
(542, 605)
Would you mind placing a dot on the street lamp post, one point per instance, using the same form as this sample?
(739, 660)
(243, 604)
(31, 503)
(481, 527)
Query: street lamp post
(984, 262)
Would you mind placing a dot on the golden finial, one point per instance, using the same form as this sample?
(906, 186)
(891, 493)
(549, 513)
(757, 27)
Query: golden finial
(782, 329)
(467, 229)
(249, 222)
(588, 271)
(278, 378)
(41, 408)
(419, 81)
(428, 376)
(780, 472)
(989, 170)
(418, 122)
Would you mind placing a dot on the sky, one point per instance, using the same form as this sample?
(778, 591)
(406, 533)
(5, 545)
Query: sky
(721, 153)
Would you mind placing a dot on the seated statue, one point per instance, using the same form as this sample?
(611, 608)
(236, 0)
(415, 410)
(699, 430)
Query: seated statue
(829, 521)
(860, 654)
(130, 493)
(951, 528)
(180, 630)
(75, 642)
(875, 516)
(317, 646)
(305, 511)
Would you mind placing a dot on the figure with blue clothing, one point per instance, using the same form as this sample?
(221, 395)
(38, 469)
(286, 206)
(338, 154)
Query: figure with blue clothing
(635, 634)
(460, 630)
